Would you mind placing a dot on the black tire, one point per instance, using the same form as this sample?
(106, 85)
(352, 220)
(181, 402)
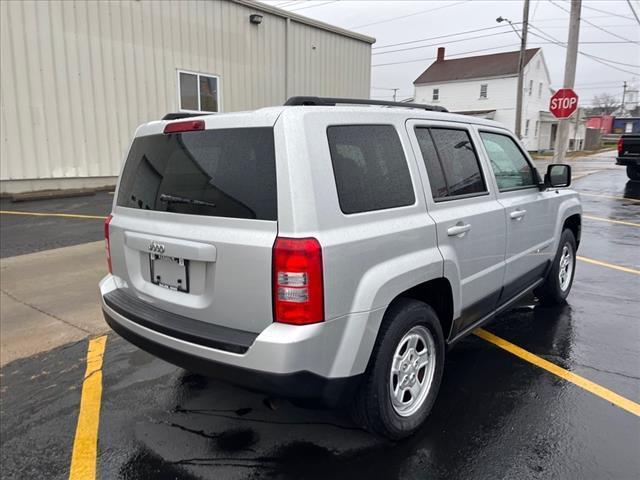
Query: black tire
(551, 291)
(372, 408)
(633, 172)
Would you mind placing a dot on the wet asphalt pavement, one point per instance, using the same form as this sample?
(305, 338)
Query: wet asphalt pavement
(496, 416)
(21, 234)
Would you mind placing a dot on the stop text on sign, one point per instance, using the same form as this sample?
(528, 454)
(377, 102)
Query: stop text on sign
(563, 103)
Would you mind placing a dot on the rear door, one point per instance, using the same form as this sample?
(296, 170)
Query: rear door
(470, 222)
(195, 221)
(530, 214)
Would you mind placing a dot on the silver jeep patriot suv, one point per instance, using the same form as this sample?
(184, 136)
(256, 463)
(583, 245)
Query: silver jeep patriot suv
(331, 251)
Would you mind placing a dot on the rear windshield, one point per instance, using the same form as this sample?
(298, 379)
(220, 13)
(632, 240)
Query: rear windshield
(222, 173)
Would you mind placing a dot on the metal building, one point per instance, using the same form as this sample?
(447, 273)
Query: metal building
(77, 77)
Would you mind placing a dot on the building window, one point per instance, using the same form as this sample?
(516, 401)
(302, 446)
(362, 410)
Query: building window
(483, 90)
(530, 87)
(537, 128)
(526, 128)
(540, 90)
(436, 94)
(198, 92)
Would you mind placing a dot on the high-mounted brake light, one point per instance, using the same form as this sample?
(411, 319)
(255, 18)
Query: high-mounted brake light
(620, 147)
(186, 126)
(298, 290)
(107, 221)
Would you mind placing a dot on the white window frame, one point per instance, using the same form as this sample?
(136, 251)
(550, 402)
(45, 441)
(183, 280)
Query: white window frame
(530, 87)
(435, 95)
(527, 122)
(540, 90)
(198, 75)
(486, 90)
(537, 130)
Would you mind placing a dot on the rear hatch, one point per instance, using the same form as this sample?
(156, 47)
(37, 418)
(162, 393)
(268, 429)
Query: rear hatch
(195, 221)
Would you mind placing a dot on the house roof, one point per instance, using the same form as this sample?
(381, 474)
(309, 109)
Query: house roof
(493, 65)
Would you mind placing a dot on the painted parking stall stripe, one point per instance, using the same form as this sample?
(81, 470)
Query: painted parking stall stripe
(46, 214)
(591, 387)
(85, 444)
(611, 220)
(608, 265)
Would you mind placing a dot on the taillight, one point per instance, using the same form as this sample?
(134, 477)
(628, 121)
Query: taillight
(186, 126)
(620, 147)
(298, 291)
(107, 221)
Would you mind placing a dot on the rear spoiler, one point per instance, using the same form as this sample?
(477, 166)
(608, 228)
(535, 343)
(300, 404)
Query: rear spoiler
(179, 115)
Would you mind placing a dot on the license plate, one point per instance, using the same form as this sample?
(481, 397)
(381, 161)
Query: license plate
(169, 272)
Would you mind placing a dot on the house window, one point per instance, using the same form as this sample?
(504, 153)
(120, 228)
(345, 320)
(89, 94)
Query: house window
(198, 92)
(436, 94)
(526, 128)
(540, 90)
(530, 87)
(483, 90)
(537, 128)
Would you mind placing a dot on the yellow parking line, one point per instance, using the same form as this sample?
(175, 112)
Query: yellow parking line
(40, 214)
(610, 220)
(85, 445)
(591, 387)
(608, 265)
(615, 197)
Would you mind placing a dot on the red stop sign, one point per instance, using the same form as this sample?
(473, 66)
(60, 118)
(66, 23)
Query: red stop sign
(563, 103)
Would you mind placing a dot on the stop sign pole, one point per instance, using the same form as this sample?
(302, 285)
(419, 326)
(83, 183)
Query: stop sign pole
(562, 137)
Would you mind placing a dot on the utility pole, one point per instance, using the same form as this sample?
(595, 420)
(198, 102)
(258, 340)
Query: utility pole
(395, 91)
(624, 94)
(523, 51)
(562, 138)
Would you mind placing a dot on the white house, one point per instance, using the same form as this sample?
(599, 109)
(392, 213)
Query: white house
(486, 86)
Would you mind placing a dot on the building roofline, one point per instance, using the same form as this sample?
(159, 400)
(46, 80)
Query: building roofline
(305, 20)
(470, 79)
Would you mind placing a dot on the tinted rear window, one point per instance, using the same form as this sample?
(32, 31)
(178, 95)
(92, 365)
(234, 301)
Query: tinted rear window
(370, 168)
(222, 173)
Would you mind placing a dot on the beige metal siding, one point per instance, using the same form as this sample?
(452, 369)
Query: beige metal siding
(77, 77)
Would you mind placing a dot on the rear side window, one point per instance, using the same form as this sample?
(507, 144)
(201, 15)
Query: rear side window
(222, 173)
(370, 168)
(456, 159)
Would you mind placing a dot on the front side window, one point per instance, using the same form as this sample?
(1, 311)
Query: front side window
(432, 163)
(198, 92)
(458, 160)
(369, 167)
(436, 94)
(509, 165)
(483, 90)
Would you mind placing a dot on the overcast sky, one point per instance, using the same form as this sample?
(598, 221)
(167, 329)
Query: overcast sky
(608, 30)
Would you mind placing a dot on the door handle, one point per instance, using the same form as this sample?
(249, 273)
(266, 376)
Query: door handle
(458, 230)
(517, 214)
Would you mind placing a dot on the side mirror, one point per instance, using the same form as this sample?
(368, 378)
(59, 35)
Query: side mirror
(558, 176)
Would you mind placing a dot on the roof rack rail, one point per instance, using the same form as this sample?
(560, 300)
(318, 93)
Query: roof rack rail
(178, 115)
(331, 102)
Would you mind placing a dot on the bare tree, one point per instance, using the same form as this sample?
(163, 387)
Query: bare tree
(604, 104)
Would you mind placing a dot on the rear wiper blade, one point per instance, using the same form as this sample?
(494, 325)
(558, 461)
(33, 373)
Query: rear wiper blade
(191, 201)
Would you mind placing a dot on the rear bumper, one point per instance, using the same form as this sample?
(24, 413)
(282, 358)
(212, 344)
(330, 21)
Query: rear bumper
(628, 161)
(320, 363)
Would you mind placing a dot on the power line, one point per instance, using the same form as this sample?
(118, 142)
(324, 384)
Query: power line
(592, 57)
(508, 32)
(633, 10)
(410, 14)
(441, 36)
(313, 6)
(452, 55)
(594, 25)
(609, 14)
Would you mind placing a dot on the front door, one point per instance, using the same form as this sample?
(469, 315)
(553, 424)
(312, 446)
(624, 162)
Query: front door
(469, 221)
(528, 211)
